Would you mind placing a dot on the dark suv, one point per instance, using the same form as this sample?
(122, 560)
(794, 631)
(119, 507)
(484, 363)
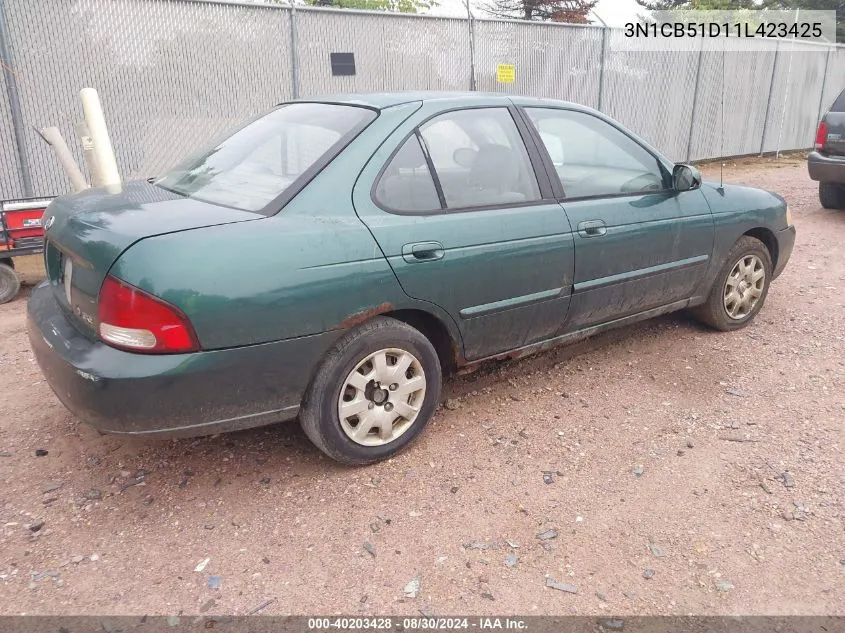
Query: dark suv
(827, 162)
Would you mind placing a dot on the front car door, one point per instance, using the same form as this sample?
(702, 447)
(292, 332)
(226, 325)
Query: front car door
(455, 203)
(639, 244)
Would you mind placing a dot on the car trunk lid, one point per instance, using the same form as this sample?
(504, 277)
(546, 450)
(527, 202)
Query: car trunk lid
(87, 232)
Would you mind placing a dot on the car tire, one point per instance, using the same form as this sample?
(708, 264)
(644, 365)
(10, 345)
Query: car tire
(360, 373)
(831, 195)
(10, 285)
(738, 293)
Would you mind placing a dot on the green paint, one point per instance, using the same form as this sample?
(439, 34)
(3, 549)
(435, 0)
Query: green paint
(270, 295)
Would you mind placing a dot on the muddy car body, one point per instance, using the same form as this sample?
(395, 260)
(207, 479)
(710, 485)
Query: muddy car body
(403, 237)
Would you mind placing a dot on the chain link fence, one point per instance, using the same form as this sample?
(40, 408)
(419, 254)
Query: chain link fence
(173, 73)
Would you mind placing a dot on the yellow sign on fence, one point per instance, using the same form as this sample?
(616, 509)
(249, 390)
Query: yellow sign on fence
(505, 73)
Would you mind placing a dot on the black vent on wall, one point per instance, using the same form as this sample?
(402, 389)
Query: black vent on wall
(343, 64)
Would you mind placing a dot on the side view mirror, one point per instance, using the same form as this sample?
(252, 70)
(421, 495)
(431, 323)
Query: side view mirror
(685, 177)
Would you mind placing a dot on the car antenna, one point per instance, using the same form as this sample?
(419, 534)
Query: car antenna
(722, 140)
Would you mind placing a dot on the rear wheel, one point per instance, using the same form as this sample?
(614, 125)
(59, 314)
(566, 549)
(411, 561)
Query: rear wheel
(740, 288)
(374, 392)
(831, 195)
(9, 283)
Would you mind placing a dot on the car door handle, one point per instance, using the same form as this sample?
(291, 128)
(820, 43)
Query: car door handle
(423, 252)
(592, 228)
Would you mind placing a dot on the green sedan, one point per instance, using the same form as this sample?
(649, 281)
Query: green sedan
(333, 260)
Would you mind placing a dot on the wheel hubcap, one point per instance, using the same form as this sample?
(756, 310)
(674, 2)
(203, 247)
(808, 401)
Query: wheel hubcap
(744, 287)
(381, 398)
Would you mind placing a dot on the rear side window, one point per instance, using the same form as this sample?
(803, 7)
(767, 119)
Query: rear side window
(480, 159)
(256, 164)
(839, 104)
(406, 184)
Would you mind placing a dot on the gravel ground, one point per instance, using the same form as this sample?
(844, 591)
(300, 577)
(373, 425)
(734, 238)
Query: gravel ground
(678, 471)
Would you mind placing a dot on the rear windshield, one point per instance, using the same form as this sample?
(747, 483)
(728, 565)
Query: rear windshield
(256, 164)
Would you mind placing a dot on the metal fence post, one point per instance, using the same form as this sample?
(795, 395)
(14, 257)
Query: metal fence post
(769, 98)
(785, 96)
(824, 83)
(294, 53)
(695, 100)
(14, 102)
(601, 66)
(471, 20)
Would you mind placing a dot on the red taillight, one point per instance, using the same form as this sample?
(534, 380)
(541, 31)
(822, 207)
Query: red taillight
(134, 320)
(821, 135)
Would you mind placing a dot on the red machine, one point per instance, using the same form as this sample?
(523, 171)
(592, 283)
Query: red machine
(21, 233)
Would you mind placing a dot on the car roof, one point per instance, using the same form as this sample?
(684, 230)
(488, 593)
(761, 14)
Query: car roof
(380, 100)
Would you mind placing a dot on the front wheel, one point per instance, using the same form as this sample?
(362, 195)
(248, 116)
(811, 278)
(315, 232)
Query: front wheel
(374, 392)
(9, 283)
(740, 287)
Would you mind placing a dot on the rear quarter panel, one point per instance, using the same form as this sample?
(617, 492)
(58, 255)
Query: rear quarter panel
(279, 278)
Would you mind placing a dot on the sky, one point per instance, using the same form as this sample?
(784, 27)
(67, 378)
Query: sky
(613, 12)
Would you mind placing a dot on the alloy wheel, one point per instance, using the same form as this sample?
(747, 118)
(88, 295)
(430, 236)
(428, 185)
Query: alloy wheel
(744, 286)
(381, 397)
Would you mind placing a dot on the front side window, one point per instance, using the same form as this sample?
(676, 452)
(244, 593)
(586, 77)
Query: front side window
(258, 162)
(479, 158)
(593, 158)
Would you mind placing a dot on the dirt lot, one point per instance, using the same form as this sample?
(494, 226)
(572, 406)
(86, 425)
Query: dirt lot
(665, 446)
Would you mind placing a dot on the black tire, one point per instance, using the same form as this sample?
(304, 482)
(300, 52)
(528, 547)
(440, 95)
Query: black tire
(831, 195)
(319, 416)
(10, 285)
(714, 313)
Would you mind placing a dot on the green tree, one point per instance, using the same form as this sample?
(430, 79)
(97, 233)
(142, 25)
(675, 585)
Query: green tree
(814, 5)
(673, 10)
(573, 11)
(734, 5)
(397, 6)
(698, 5)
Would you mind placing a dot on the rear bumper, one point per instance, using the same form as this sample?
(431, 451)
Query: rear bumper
(826, 168)
(786, 242)
(169, 395)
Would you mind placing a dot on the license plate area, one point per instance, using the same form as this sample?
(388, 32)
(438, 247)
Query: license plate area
(52, 262)
(67, 278)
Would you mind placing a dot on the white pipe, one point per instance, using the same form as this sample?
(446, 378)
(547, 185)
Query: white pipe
(57, 142)
(84, 137)
(106, 165)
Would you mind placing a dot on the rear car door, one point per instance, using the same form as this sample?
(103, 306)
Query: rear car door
(639, 244)
(454, 202)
